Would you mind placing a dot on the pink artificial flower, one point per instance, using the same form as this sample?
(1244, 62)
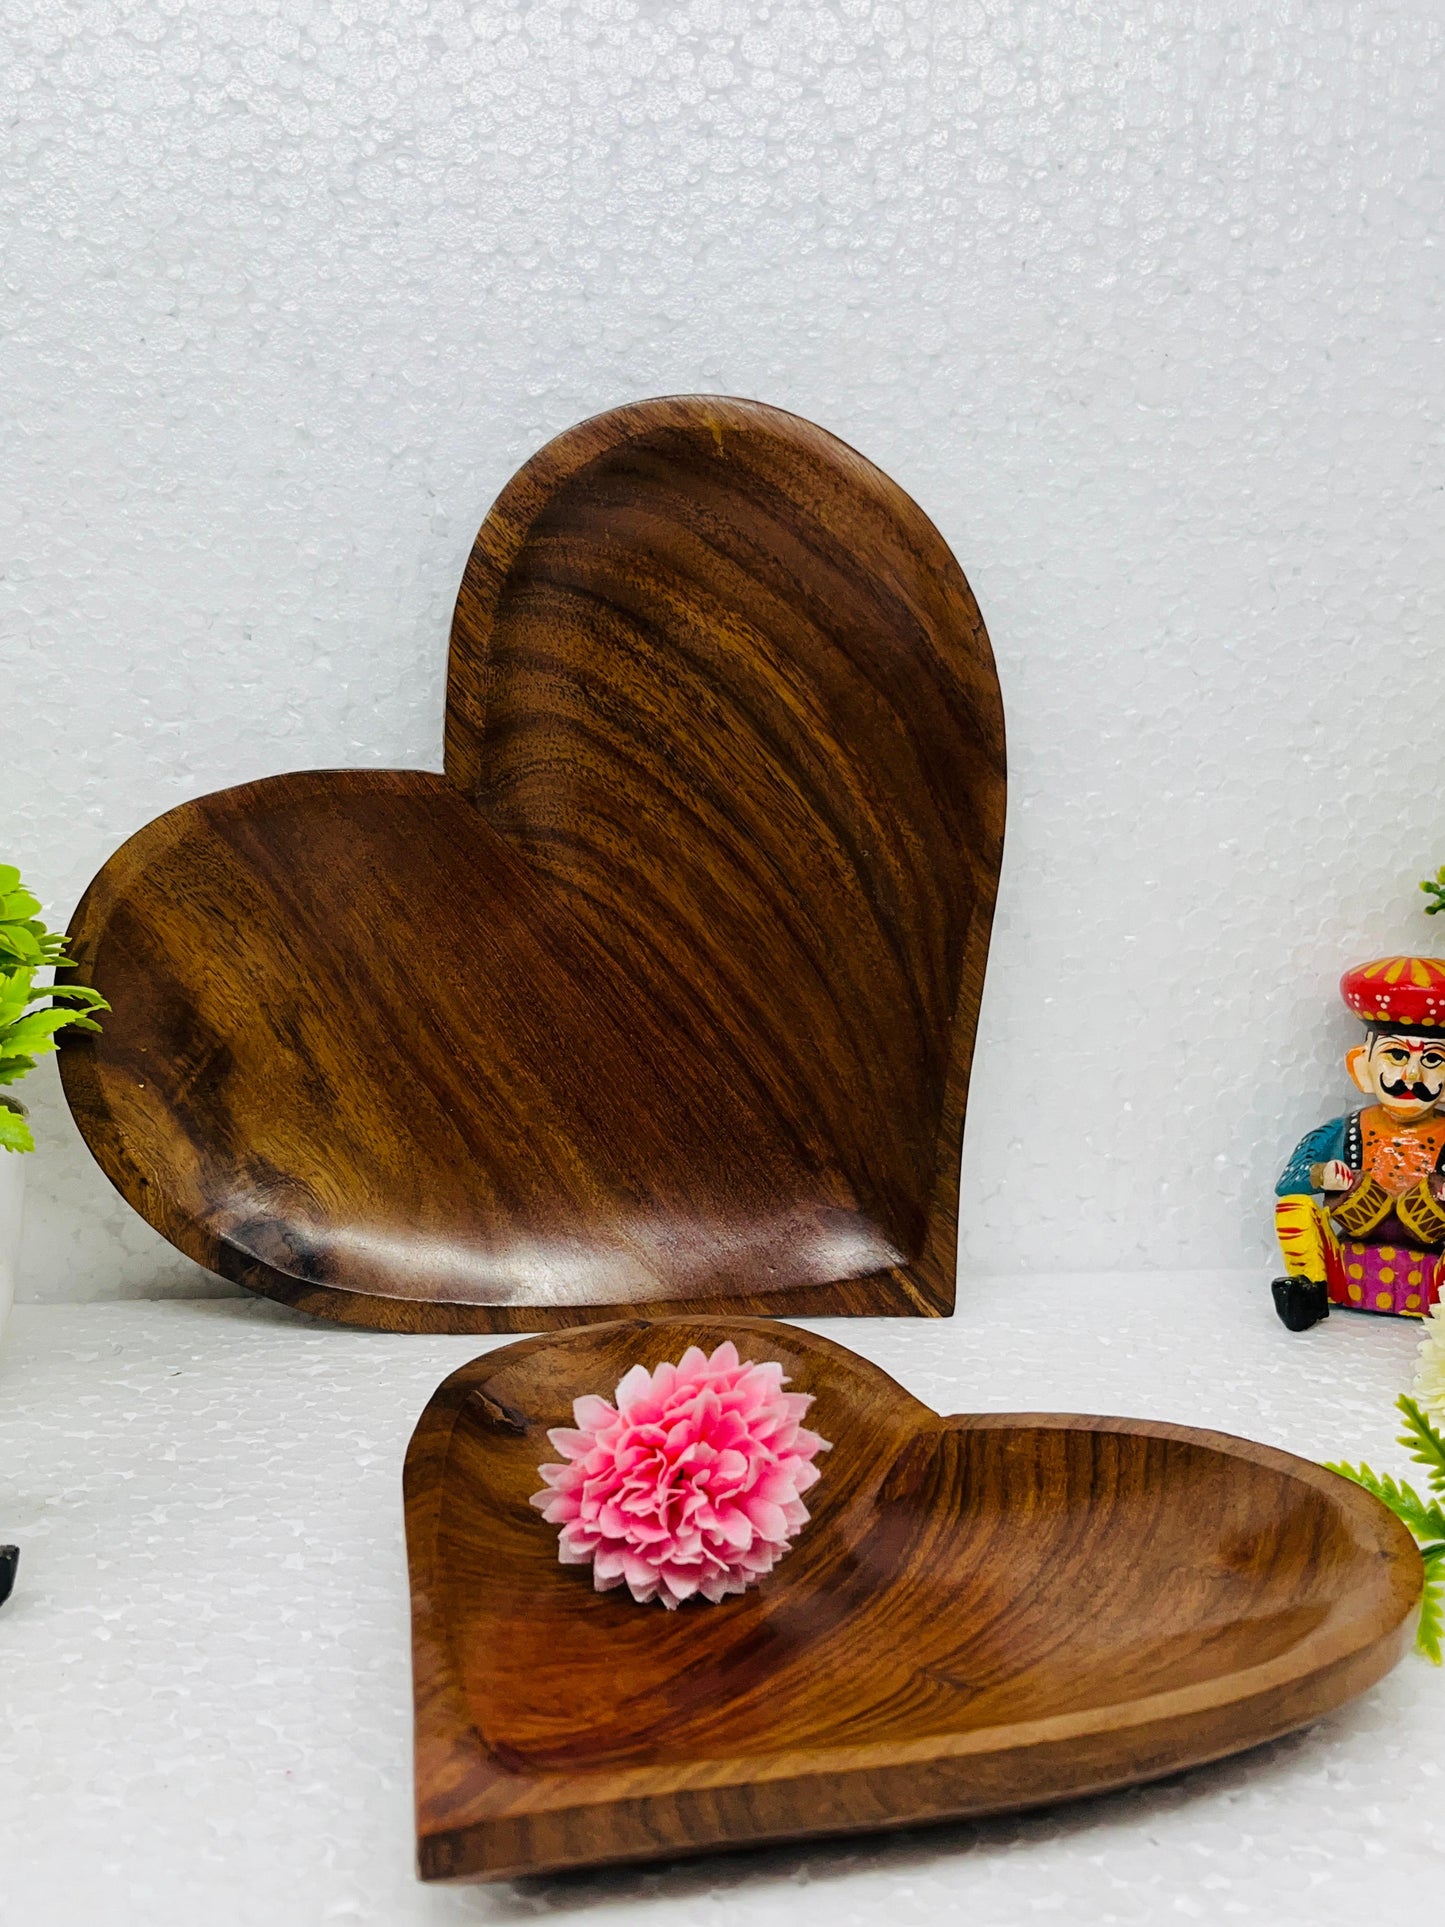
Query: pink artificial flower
(688, 1485)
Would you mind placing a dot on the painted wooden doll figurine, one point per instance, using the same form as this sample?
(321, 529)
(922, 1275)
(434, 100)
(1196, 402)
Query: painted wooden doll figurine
(1360, 1210)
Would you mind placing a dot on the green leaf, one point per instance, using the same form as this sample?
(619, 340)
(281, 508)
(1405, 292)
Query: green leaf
(1426, 1445)
(27, 947)
(1431, 1629)
(36, 1033)
(1426, 1521)
(14, 1130)
(79, 994)
(22, 944)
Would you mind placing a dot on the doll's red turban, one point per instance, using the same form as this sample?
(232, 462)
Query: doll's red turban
(1405, 993)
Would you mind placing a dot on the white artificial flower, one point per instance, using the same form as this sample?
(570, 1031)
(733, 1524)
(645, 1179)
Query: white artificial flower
(1430, 1371)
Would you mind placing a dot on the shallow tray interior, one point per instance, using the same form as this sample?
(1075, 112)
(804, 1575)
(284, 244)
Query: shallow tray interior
(985, 1612)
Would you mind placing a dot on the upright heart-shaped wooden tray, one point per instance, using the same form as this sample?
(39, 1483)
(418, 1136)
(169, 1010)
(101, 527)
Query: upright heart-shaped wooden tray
(986, 1612)
(663, 997)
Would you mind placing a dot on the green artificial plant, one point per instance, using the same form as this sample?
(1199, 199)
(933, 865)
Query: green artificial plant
(31, 1013)
(1424, 1517)
(1435, 887)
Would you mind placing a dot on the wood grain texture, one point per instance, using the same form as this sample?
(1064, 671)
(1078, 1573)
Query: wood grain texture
(984, 1613)
(664, 995)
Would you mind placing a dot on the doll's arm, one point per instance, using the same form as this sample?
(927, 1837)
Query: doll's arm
(1304, 1173)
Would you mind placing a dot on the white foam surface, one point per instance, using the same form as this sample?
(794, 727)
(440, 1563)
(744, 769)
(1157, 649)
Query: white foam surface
(1140, 300)
(204, 1670)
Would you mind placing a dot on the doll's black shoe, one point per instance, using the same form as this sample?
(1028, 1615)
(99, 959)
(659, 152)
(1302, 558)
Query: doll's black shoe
(9, 1560)
(1300, 1302)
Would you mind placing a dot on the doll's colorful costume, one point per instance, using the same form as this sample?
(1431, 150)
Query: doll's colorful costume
(1379, 1246)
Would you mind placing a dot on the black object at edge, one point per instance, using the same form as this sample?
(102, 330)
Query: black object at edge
(9, 1560)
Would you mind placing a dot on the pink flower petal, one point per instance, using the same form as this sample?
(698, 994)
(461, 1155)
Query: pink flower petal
(689, 1486)
(591, 1413)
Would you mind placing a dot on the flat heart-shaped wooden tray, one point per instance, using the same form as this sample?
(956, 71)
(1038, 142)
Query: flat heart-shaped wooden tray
(986, 1612)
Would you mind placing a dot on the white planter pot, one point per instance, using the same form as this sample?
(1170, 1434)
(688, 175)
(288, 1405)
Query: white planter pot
(12, 1211)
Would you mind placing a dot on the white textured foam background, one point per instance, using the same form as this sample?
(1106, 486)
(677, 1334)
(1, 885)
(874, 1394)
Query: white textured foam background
(1139, 300)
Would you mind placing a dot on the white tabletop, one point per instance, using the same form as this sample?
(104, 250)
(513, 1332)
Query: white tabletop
(204, 1682)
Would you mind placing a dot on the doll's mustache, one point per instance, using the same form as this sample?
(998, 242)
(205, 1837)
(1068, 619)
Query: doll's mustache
(1422, 1093)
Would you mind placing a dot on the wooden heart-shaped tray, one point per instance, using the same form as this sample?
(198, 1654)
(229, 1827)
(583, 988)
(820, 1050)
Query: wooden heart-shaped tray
(663, 997)
(985, 1612)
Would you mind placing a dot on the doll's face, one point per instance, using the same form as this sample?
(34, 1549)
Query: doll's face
(1404, 1074)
